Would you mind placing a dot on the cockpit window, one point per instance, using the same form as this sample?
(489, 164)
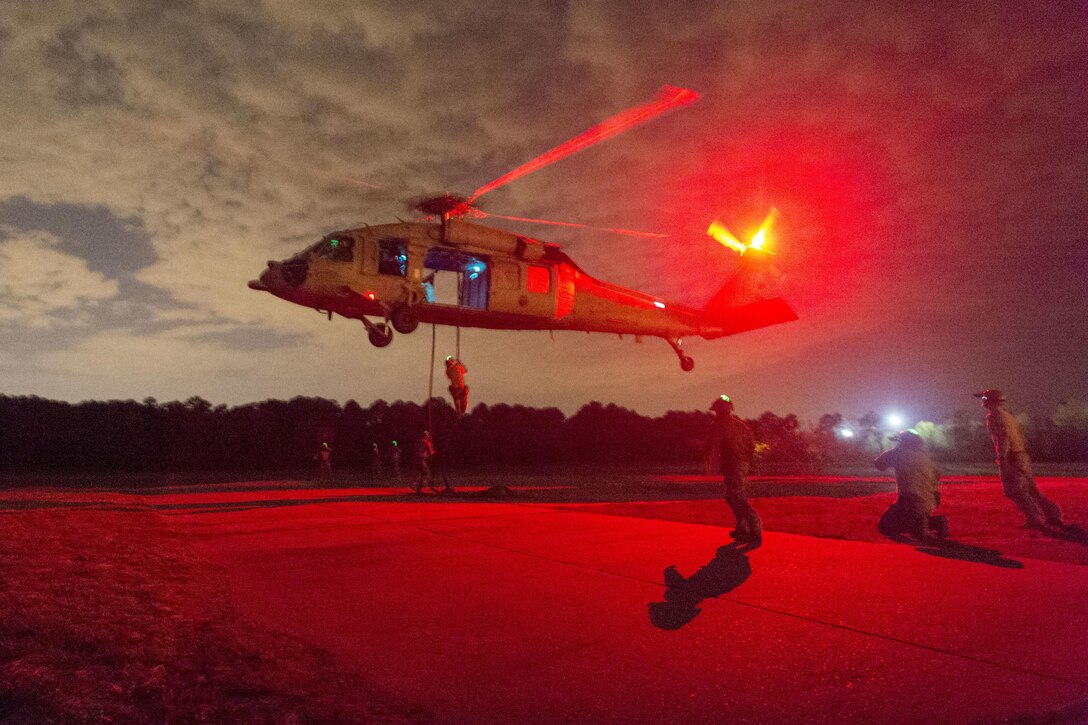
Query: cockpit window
(393, 257)
(337, 249)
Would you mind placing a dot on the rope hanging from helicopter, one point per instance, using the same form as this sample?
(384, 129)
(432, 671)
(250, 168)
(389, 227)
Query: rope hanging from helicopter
(460, 300)
(436, 470)
(430, 383)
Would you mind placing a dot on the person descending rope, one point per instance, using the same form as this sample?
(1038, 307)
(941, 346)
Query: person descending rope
(455, 371)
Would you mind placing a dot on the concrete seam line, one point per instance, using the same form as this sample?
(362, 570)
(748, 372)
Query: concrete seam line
(771, 610)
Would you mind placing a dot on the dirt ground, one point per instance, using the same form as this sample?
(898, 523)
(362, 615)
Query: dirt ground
(106, 616)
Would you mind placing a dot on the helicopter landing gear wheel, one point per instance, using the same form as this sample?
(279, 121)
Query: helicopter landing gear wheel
(380, 334)
(687, 364)
(404, 319)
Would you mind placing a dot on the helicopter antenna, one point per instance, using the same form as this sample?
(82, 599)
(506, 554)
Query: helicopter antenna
(667, 99)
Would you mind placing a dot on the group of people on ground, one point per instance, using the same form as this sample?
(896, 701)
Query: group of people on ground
(917, 477)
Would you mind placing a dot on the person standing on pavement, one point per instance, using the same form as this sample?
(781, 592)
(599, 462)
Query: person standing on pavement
(424, 453)
(1014, 464)
(375, 461)
(736, 446)
(324, 461)
(394, 460)
(917, 482)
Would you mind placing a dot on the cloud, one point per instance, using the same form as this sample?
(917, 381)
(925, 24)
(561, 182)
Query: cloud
(42, 287)
(159, 153)
(85, 77)
(110, 245)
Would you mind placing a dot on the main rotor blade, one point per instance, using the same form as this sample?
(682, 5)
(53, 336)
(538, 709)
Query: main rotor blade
(668, 98)
(611, 230)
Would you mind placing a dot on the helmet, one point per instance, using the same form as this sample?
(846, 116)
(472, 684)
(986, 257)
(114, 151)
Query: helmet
(723, 403)
(991, 395)
(908, 438)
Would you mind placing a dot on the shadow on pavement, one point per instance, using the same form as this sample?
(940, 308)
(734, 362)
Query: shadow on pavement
(965, 552)
(1075, 714)
(1066, 532)
(725, 572)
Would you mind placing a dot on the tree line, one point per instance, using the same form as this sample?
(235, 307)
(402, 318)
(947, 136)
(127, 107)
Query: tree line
(39, 435)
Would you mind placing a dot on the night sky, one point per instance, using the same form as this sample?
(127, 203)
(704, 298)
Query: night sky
(930, 162)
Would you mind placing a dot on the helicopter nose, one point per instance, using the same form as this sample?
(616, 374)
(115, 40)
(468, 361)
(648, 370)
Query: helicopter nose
(268, 278)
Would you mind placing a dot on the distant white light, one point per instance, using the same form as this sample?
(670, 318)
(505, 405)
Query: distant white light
(846, 433)
(895, 421)
(659, 303)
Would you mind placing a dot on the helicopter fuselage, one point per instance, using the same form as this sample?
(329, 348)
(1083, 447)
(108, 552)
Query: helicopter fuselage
(470, 275)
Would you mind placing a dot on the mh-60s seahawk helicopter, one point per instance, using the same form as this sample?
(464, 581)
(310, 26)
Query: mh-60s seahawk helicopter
(454, 272)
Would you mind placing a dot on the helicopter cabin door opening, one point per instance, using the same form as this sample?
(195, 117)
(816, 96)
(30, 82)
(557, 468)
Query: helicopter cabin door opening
(444, 270)
(393, 257)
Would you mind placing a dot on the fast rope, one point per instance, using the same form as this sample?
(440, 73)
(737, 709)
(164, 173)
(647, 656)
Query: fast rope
(430, 384)
(460, 301)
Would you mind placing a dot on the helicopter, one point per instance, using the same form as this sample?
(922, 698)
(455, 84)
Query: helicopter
(455, 272)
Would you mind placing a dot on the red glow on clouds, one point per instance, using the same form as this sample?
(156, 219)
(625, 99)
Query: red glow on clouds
(834, 193)
(667, 99)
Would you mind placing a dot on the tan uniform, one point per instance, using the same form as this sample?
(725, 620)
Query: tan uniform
(424, 453)
(917, 481)
(324, 459)
(737, 446)
(1014, 466)
(455, 371)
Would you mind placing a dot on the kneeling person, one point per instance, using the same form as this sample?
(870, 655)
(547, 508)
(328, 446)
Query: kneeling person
(917, 482)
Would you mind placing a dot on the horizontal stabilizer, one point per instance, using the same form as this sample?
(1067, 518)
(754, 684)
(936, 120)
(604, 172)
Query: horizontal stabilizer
(748, 301)
(763, 313)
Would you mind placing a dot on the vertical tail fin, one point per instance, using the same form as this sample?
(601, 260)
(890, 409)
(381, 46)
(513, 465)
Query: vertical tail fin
(748, 301)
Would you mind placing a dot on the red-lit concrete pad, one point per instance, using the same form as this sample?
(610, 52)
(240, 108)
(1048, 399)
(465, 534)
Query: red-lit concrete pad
(508, 612)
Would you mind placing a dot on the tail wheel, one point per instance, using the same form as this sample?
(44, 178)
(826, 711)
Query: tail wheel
(404, 319)
(687, 364)
(381, 335)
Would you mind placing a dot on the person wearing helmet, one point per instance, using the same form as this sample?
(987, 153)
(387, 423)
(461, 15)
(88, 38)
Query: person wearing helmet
(424, 454)
(917, 483)
(455, 371)
(736, 445)
(1014, 464)
(324, 461)
(394, 460)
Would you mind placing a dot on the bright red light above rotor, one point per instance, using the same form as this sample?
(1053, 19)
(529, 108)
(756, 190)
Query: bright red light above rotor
(758, 240)
(667, 99)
